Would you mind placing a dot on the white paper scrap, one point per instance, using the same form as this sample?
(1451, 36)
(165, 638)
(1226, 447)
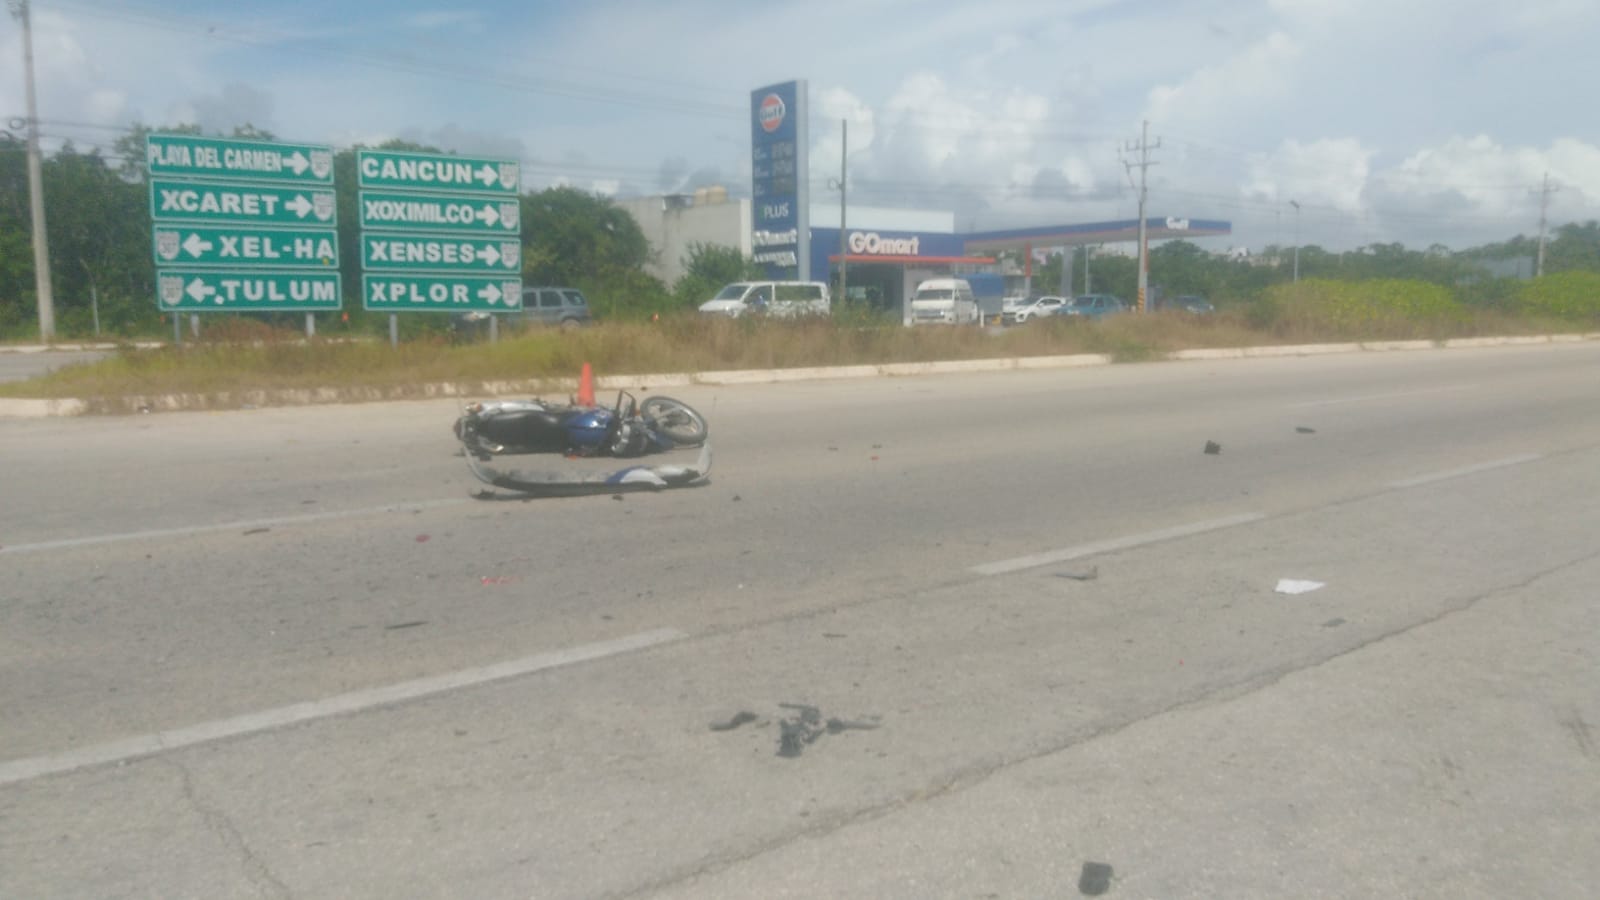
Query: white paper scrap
(1297, 586)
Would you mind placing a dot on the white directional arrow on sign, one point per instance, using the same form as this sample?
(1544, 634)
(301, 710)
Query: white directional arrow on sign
(490, 255)
(489, 216)
(490, 293)
(300, 206)
(199, 290)
(298, 162)
(488, 175)
(195, 245)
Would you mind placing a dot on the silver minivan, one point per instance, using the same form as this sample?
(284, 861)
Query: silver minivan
(774, 298)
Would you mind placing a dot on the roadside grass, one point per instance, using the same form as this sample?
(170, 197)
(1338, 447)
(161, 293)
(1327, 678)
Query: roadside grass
(252, 365)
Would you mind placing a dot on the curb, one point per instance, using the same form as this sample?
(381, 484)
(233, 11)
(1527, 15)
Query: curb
(30, 408)
(38, 408)
(75, 348)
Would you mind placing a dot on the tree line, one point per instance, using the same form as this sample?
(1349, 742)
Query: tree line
(98, 224)
(1181, 267)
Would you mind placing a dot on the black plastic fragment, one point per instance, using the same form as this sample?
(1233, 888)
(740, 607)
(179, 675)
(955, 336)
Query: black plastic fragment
(739, 718)
(1095, 879)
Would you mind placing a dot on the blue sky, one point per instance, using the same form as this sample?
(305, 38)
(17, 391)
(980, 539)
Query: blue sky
(1421, 121)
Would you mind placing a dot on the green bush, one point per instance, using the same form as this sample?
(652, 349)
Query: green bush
(1383, 307)
(1499, 294)
(1573, 296)
(626, 295)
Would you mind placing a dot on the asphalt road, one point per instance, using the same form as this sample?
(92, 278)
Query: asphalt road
(986, 629)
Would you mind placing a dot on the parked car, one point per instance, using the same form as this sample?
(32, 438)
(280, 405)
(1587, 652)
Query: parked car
(1190, 303)
(944, 301)
(1032, 308)
(1094, 306)
(557, 306)
(561, 306)
(775, 298)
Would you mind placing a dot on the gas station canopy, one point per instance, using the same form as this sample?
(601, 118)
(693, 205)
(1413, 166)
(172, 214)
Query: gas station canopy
(1157, 229)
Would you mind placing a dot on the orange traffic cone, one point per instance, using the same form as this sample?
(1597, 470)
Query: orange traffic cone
(586, 387)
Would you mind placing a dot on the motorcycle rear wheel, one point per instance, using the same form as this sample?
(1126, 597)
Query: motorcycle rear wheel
(675, 420)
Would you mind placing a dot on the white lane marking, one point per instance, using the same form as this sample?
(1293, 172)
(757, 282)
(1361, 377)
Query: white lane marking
(1466, 470)
(127, 749)
(1366, 397)
(1108, 546)
(92, 540)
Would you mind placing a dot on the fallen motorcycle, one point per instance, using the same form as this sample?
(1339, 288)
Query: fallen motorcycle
(629, 429)
(533, 426)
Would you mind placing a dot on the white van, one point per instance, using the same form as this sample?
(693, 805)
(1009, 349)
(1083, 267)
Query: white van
(947, 301)
(775, 298)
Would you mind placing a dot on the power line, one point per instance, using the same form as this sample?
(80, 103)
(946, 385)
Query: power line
(265, 35)
(466, 73)
(943, 123)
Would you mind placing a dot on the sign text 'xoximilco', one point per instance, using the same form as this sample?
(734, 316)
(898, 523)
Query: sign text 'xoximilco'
(419, 212)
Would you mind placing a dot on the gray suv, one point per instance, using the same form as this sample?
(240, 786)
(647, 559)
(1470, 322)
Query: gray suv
(559, 306)
(554, 306)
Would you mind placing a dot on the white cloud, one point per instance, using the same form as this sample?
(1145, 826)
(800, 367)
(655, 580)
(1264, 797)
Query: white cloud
(1330, 172)
(453, 138)
(1251, 83)
(1484, 178)
(235, 104)
(977, 150)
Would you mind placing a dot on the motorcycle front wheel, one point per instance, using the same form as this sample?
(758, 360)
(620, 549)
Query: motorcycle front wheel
(674, 420)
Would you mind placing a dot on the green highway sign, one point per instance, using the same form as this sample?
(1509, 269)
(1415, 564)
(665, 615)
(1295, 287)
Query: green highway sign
(440, 293)
(192, 156)
(205, 290)
(439, 233)
(213, 245)
(407, 252)
(436, 172)
(440, 212)
(172, 201)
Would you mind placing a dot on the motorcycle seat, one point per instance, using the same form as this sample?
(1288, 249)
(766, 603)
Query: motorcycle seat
(533, 428)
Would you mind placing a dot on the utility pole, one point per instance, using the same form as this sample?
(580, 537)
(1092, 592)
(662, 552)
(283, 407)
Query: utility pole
(41, 243)
(1544, 205)
(1143, 147)
(1296, 205)
(844, 154)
